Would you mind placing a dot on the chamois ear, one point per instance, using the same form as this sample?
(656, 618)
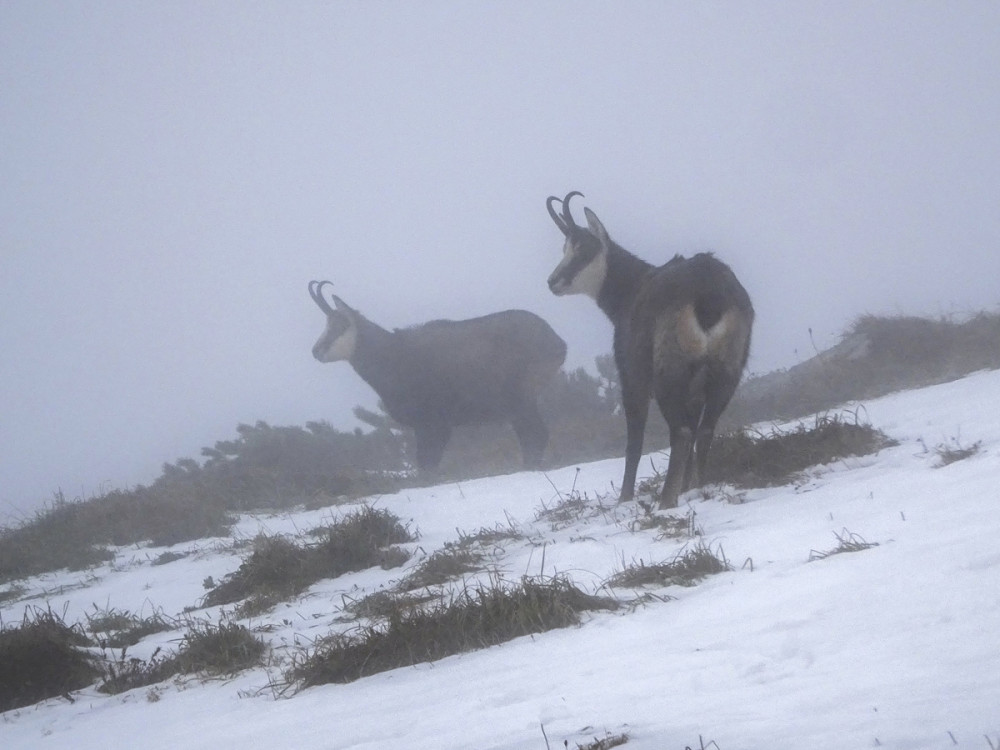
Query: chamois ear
(597, 228)
(341, 305)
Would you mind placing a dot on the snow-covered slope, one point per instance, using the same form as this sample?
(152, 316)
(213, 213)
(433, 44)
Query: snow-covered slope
(894, 646)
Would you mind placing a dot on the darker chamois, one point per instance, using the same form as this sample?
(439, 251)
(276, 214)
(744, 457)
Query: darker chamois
(681, 335)
(447, 373)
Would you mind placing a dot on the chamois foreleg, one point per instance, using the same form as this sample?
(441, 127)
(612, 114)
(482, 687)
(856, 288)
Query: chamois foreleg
(532, 434)
(635, 402)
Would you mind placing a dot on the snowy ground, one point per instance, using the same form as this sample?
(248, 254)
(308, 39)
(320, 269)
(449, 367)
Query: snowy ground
(896, 646)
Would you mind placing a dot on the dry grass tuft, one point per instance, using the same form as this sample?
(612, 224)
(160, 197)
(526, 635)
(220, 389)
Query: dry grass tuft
(213, 649)
(279, 568)
(949, 454)
(473, 619)
(688, 567)
(444, 565)
(43, 658)
(847, 541)
(755, 460)
(606, 742)
(114, 628)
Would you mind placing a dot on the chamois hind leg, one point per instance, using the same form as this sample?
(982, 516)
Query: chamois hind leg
(682, 402)
(681, 446)
(532, 434)
(719, 392)
(431, 440)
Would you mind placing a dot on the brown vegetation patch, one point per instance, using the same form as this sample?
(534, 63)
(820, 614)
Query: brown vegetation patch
(474, 619)
(279, 568)
(745, 459)
(43, 658)
(687, 568)
(213, 649)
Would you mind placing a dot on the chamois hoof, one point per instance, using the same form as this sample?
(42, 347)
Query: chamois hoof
(668, 502)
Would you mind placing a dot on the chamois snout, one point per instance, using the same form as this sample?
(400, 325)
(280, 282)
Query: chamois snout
(319, 351)
(558, 283)
(338, 340)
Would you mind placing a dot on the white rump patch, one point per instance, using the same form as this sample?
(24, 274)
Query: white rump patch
(695, 340)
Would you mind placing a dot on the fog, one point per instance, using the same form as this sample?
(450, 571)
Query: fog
(175, 173)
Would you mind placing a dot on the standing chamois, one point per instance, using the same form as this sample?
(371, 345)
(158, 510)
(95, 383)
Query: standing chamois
(447, 373)
(682, 334)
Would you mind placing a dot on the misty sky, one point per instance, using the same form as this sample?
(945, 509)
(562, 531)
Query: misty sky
(175, 173)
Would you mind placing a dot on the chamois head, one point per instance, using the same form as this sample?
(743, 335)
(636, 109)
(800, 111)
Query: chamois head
(585, 251)
(341, 334)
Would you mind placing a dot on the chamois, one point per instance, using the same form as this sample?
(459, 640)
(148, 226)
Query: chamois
(681, 335)
(446, 373)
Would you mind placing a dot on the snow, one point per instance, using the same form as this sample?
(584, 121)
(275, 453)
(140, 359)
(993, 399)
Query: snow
(895, 646)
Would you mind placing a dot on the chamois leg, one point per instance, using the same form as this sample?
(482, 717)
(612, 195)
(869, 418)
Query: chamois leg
(681, 446)
(531, 433)
(719, 394)
(431, 440)
(636, 406)
(682, 402)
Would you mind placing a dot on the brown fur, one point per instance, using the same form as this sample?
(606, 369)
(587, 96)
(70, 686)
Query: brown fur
(682, 336)
(445, 373)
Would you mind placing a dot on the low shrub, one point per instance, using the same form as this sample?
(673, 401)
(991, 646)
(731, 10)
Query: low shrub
(876, 356)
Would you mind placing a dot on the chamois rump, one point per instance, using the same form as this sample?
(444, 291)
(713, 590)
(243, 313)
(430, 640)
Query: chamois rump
(446, 373)
(681, 335)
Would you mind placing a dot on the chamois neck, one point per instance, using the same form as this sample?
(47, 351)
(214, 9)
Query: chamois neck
(621, 283)
(373, 354)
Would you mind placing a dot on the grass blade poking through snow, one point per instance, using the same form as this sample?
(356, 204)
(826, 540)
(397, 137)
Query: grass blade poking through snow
(847, 541)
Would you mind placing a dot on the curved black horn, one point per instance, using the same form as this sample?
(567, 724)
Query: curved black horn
(567, 217)
(316, 292)
(555, 217)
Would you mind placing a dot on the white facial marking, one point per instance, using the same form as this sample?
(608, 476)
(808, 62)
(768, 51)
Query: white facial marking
(590, 278)
(333, 348)
(587, 280)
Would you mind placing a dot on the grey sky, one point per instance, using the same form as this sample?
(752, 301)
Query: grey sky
(175, 173)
